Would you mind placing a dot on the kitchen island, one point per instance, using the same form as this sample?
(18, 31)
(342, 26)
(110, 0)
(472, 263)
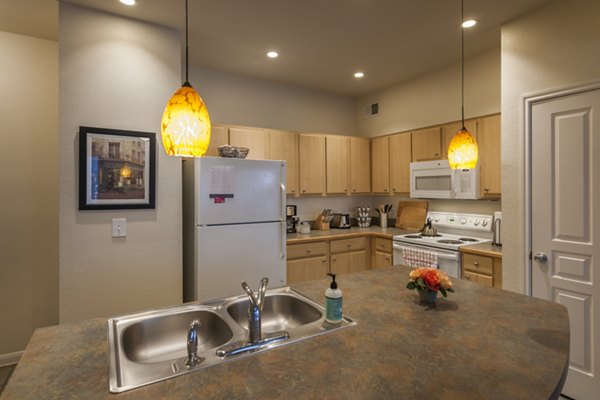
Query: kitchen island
(479, 343)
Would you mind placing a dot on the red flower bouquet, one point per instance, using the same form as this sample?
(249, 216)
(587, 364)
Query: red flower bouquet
(430, 280)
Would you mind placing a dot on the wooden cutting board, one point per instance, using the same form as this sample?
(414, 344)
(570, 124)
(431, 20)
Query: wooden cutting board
(411, 214)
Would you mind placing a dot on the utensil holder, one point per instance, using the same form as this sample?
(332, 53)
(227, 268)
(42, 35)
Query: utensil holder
(383, 220)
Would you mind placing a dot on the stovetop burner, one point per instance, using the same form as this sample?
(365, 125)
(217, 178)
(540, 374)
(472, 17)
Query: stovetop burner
(428, 236)
(413, 236)
(467, 239)
(449, 241)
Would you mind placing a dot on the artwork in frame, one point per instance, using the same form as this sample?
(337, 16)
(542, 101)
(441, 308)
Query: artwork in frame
(117, 169)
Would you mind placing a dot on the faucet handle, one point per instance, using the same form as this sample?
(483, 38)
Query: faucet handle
(192, 344)
(261, 291)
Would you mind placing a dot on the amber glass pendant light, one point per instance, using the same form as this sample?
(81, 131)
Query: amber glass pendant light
(463, 152)
(185, 125)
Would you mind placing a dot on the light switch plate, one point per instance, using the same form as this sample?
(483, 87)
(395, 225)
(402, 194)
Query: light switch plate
(119, 227)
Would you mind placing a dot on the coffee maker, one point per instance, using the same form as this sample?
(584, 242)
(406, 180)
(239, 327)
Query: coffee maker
(291, 218)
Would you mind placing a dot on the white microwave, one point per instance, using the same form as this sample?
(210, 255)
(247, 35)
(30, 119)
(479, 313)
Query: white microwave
(436, 180)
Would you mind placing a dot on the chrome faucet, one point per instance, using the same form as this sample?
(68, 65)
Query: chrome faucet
(255, 309)
(192, 344)
(255, 338)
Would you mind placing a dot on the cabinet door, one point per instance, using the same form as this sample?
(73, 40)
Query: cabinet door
(449, 130)
(488, 138)
(307, 269)
(382, 260)
(284, 146)
(345, 263)
(219, 135)
(426, 144)
(338, 164)
(400, 156)
(254, 139)
(360, 165)
(311, 156)
(380, 165)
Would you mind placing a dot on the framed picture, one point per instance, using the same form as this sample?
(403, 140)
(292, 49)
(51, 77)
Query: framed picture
(117, 169)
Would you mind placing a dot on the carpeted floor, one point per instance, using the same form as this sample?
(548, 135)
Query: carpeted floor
(5, 373)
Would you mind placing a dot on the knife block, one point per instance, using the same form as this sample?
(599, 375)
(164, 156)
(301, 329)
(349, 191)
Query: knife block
(320, 224)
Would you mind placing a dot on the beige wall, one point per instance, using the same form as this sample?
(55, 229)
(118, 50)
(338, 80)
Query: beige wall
(239, 100)
(29, 193)
(554, 46)
(434, 98)
(116, 73)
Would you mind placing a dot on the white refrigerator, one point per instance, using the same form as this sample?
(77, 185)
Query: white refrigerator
(234, 225)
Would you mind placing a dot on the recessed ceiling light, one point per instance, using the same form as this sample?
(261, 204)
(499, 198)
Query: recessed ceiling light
(469, 23)
(128, 2)
(359, 74)
(272, 54)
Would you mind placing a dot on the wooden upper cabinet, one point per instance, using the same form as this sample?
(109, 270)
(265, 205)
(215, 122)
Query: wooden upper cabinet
(380, 165)
(488, 139)
(426, 144)
(311, 158)
(449, 130)
(400, 156)
(219, 135)
(253, 138)
(360, 165)
(284, 146)
(338, 164)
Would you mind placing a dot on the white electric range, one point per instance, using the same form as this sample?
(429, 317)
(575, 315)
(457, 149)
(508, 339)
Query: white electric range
(442, 251)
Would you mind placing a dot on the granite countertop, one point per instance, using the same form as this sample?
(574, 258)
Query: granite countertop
(314, 235)
(478, 343)
(483, 249)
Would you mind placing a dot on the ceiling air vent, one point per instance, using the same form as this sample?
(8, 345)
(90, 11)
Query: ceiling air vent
(371, 110)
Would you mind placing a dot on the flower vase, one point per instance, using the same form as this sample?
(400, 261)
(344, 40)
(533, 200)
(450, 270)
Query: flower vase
(427, 296)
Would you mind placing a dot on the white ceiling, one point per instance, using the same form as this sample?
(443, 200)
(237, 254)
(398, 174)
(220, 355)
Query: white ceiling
(321, 42)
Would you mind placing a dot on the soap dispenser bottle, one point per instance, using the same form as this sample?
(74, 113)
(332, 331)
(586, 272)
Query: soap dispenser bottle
(333, 302)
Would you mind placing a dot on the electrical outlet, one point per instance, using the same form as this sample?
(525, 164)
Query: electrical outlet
(119, 227)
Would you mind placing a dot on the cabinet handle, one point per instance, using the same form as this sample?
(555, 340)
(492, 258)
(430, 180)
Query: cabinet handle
(354, 190)
(385, 190)
(324, 261)
(333, 259)
(348, 245)
(468, 277)
(345, 190)
(476, 263)
(437, 154)
(303, 190)
(486, 189)
(308, 250)
(387, 258)
(293, 190)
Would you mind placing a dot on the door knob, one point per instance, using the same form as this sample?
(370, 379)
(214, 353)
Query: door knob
(540, 258)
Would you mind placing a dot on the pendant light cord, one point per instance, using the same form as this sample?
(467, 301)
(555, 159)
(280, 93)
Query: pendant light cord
(462, 41)
(187, 82)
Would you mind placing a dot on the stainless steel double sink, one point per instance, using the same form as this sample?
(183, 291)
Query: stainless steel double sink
(151, 346)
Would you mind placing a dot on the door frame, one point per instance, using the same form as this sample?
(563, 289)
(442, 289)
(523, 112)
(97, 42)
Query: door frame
(529, 101)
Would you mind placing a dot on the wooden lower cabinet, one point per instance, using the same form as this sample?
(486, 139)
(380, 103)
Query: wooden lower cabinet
(344, 263)
(349, 255)
(485, 270)
(307, 269)
(382, 255)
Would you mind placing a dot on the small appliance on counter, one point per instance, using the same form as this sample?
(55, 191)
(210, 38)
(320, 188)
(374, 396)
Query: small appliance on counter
(341, 221)
(290, 218)
(497, 229)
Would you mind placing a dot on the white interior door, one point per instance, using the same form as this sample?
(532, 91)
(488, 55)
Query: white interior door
(565, 212)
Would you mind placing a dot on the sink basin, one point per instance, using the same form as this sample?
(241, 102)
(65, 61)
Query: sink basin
(158, 339)
(281, 312)
(151, 346)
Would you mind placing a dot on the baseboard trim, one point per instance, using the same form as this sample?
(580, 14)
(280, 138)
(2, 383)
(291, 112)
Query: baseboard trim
(10, 358)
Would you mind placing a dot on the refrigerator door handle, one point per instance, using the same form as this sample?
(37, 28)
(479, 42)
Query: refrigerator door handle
(283, 247)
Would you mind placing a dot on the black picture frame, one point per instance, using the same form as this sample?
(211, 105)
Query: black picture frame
(117, 169)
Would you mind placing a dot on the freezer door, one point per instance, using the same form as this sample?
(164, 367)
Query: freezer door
(228, 255)
(232, 191)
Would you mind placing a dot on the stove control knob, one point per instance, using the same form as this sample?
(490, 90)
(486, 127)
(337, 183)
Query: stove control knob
(485, 222)
(437, 219)
(463, 221)
(476, 222)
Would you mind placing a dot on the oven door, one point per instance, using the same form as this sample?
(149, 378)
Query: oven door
(448, 260)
